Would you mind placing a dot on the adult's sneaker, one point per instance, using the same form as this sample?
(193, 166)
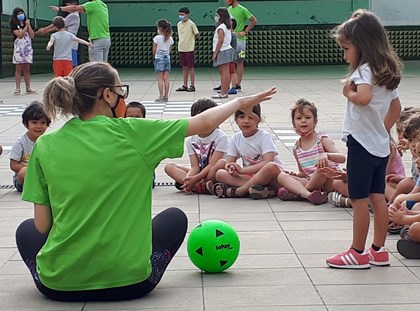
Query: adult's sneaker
(217, 88)
(349, 259)
(378, 258)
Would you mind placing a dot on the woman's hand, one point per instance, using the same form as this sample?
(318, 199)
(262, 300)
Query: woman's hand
(248, 102)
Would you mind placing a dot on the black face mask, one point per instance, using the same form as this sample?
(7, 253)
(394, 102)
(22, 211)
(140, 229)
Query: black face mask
(113, 109)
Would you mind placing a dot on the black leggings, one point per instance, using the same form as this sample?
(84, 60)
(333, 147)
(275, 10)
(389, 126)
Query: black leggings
(169, 229)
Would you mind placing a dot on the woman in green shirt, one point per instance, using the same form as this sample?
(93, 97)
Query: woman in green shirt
(92, 236)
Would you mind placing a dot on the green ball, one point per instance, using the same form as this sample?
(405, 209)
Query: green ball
(213, 246)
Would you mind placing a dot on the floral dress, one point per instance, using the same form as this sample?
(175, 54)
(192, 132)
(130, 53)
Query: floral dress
(23, 52)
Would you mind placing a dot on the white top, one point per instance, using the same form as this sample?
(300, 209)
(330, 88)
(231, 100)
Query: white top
(226, 40)
(204, 147)
(252, 149)
(163, 48)
(366, 123)
(62, 41)
(72, 23)
(22, 149)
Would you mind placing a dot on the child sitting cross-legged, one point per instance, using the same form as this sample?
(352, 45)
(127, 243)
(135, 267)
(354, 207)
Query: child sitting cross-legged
(312, 151)
(261, 164)
(204, 150)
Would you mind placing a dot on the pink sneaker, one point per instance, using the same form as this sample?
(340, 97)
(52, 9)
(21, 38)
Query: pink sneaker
(318, 197)
(378, 258)
(286, 195)
(349, 259)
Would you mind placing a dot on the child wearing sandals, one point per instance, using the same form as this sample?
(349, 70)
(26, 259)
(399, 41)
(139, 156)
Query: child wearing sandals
(204, 150)
(312, 151)
(261, 163)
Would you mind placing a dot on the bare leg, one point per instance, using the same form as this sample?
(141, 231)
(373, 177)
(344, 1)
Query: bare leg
(211, 176)
(233, 80)
(361, 219)
(293, 185)
(403, 187)
(232, 180)
(176, 172)
(267, 175)
(381, 219)
(159, 77)
(166, 83)
(185, 75)
(18, 74)
(27, 75)
(317, 181)
(224, 77)
(192, 75)
(239, 71)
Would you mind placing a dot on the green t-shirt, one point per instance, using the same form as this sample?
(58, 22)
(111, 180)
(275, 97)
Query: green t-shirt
(241, 14)
(97, 19)
(96, 176)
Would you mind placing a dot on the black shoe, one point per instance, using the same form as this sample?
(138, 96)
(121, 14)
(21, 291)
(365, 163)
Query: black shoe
(238, 88)
(191, 89)
(179, 186)
(408, 249)
(217, 88)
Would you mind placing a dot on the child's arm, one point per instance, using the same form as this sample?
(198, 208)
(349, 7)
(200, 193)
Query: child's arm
(213, 117)
(301, 173)
(154, 49)
(400, 215)
(42, 218)
(221, 37)
(29, 29)
(360, 94)
(393, 114)
(392, 153)
(50, 43)
(216, 156)
(331, 151)
(81, 41)
(16, 166)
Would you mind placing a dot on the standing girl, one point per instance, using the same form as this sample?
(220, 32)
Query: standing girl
(162, 44)
(312, 151)
(372, 108)
(261, 164)
(22, 51)
(223, 53)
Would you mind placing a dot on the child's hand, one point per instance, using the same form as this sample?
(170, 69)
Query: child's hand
(323, 161)
(214, 57)
(291, 173)
(27, 24)
(393, 178)
(403, 145)
(248, 102)
(233, 168)
(349, 87)
(48, 48)
(400, 198)
(397, 213)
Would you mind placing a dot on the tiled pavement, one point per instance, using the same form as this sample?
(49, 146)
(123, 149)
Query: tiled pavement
(281, 265)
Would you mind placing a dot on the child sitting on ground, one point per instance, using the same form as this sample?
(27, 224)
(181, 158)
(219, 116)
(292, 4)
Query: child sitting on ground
(261, 163)
(312, 151)
(204, 151)
(36, 121)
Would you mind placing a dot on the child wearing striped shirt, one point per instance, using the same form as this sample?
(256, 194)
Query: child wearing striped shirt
(312, 151)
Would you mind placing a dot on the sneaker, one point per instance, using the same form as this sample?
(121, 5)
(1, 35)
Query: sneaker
(165, 98)
(349, 259)
(378, 258)
(232, 91)
(286, 195)
(217, 88)
(318, 197)
(238, 88)
(160, 99)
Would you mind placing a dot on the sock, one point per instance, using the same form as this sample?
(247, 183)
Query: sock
(358, 250)
(376, 248)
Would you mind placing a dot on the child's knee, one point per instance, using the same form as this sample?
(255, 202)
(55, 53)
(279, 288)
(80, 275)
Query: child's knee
(272, 169)
(169, 167)
(414, 232)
